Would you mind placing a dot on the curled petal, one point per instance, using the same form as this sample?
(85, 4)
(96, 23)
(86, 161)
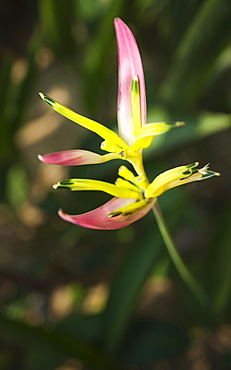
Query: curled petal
(76, 158)
(98, 218)
(130, 209)
(150, 131)
(178, 176)
(130, 65)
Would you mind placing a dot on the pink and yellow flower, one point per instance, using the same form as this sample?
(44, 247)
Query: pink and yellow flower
(133, 195)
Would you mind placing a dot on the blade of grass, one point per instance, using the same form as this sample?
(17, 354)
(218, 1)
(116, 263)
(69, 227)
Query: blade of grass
(206, 36)
(217, 271)
(97, 61)
(196, 129)
(57, 19)
(183, 271)
(5, 81)
(126, 287)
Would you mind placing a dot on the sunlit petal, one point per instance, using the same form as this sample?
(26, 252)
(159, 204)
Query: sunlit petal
(131, 208)
(91, 125)
(150, 131)
(96, 185)
(178, 176)
(125, 184)
(136, 107)
(98, 218)
(130, 65)
(76, 157)
(124, 172)
(139, 181)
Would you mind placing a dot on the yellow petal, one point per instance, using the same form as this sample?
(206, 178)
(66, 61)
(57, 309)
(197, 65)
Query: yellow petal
(177, 176)
(91, 125)
(112, 147)
(86, 184)
(127, 210)
(149, 131)
(128, 185)
(139, 181)
(135, 102)
(126, 174)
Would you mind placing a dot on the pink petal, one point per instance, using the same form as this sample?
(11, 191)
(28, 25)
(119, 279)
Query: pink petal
(98, 218)
(130, 64)
(75, 158)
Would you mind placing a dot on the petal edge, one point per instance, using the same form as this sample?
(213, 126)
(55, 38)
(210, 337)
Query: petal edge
(130, 65)
(98, 218)
(76, 158)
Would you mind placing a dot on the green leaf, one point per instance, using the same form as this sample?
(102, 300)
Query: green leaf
(149, 341)
(57, 20)
(98, 57)
(17, 186)
(205, 38)
(65, 344)
(195, 129)
(87, 327)
(126, 287)
(217, 271)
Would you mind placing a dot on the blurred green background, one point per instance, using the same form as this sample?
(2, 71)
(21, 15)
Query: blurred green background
(76, 299)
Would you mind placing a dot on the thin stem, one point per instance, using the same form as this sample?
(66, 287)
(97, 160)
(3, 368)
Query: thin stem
(178, 262)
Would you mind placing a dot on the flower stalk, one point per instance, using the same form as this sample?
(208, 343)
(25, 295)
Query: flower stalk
(179, 264)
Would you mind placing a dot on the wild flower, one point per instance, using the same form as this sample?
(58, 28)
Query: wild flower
(133, 195)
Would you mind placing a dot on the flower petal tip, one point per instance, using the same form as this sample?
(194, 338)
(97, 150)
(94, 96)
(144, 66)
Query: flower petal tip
(130, 65)
(180, 124)
(116, 20)
(41, 158)
(47, 99)
(64, 216)
(41, 95)
(60, 212)
(206, 173)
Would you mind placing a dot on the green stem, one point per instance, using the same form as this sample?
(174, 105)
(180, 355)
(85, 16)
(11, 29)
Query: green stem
(178, 262)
